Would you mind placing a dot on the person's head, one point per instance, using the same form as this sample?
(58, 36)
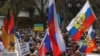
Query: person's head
(70, 51)
(22, 40)
(77, 53)
(98, 49)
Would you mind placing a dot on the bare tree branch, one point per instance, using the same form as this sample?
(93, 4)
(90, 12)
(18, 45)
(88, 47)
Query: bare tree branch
(45, 2)
(37, 6)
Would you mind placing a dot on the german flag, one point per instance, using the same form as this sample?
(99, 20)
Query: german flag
(4, 37)
(8, 32)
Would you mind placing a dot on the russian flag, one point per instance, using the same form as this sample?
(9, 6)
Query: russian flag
(45, 45)
(90, 42)
(57, 41)
(81, 22)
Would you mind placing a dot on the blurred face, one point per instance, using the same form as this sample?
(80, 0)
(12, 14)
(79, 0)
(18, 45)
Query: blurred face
(70, 52)
(22, 40)
(77, 54)
(99, 49)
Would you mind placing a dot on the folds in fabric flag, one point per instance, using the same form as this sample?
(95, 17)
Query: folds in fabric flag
(8, 31)
(81, 22)
(11, 28)
(4, 37)
(58, 45)
(90, 42)
(13, 41)
(45, 45)
(11, 31)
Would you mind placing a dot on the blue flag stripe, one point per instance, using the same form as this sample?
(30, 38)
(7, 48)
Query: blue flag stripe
(50, 13)
(47, 43)
(88, 13)
(73, 31)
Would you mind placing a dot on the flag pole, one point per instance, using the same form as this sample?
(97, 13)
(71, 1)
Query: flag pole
(46, 32)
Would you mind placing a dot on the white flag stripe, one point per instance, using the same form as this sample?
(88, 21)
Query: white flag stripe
(59, 37)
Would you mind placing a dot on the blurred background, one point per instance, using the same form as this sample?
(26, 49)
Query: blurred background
(30, 13)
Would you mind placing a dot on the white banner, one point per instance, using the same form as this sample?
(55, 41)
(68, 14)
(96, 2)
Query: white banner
(24, 47)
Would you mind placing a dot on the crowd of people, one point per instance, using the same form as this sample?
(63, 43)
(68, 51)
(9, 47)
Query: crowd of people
(34, 38)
